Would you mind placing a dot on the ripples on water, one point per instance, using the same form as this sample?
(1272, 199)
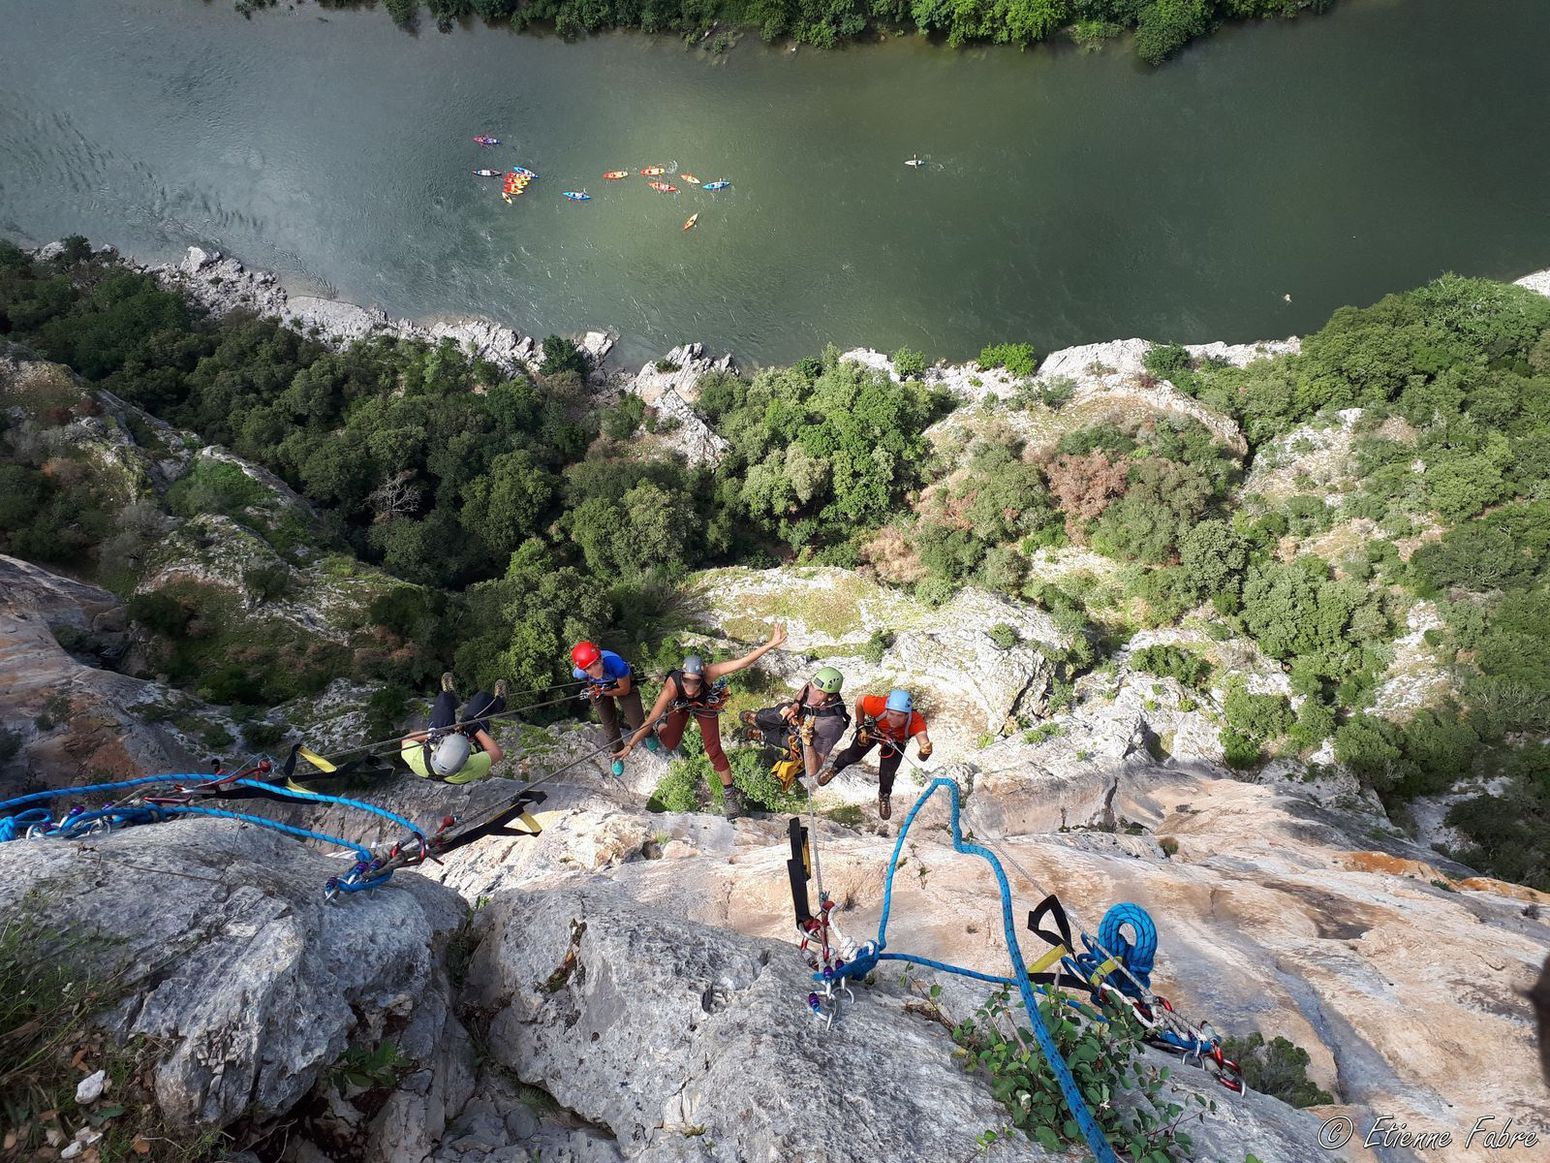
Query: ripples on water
(1067, 198)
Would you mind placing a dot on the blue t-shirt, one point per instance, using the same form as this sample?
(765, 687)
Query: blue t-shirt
(614, 668)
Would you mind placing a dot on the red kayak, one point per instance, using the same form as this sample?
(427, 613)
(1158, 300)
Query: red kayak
(486, 139)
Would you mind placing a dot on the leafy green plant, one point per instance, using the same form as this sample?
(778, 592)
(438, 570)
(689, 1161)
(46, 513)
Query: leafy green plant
(877, 646)
(909, 364)
(369, 1068)
(1105, 1060)
(1017, 358)
(1004, 635)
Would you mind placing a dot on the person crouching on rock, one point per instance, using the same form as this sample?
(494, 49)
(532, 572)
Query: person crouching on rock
(695, 689)
(891, 723)
(458, 746)
(817, 716)
(611, 688)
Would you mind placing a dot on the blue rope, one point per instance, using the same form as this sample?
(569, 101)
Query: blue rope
(319, 798)
(870, 954)
(58, 793)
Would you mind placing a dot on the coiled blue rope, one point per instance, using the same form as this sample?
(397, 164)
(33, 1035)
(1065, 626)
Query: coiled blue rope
(871, 953)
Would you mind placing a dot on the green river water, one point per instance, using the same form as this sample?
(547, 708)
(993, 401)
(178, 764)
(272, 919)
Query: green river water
(1067, 197)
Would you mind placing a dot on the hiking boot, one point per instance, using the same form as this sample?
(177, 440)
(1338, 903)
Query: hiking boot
(746, 718)
(651, 744)
(732, 804)
(825, 773)
(884, 804)
(500, 688)
(447, 682)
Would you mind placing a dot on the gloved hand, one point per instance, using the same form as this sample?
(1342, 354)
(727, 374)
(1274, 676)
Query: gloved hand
(925, 749)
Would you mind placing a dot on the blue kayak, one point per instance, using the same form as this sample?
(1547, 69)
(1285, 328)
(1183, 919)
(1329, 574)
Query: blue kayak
(524, 171)
(577, 195)
(721, 184)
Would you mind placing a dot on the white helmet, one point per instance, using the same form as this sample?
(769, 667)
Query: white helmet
(450, 755)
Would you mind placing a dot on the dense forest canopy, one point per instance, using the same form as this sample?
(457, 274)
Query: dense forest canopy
(1161, 27)
(521, 513)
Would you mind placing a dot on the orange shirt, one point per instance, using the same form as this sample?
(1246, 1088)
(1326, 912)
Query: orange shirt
(876, 706)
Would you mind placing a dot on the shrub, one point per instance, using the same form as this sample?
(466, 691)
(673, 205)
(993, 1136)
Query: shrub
(1105, 1061)
(621, 421)
(909, 364)
(1169, 661)
(1017, 358)
(877, 646)
(1278, 1068)
(561, 355)
(1166, 360)
(1004, 635)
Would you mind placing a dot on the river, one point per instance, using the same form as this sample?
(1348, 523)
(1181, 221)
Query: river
(1066, 198)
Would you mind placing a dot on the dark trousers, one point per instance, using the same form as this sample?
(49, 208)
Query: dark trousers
(827, 730)
(609, 707)
(887, 762)
(446, 711)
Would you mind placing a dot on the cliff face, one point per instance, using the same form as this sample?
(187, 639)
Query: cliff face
(626, 985)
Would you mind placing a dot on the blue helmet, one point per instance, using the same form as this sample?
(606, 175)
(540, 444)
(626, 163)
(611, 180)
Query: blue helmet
(899, 700)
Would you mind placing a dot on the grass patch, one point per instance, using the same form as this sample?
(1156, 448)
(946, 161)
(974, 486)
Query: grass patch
(50, 988)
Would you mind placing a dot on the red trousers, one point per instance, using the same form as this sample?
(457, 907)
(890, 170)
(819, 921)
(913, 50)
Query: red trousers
(671, 733)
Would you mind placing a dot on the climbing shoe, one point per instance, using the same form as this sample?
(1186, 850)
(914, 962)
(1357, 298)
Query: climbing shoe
(825, 774)
(884, 804)
(447, 682)
(500, 688)
(746, 718)
(651, 744)
(732, 804)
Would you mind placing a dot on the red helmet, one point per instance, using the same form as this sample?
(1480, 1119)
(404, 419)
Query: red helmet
(584, 654)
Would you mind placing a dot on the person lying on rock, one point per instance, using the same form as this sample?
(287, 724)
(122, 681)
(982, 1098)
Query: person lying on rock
(695, 689)
(457, 747)
(816, 717)
(611, 688)
(890, 723)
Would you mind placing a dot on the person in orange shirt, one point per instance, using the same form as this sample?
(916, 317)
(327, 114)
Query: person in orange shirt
(891, 723)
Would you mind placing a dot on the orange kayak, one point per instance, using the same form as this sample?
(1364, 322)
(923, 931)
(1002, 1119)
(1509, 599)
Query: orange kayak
(615, 175)
(653, 171)
(693, 218)
(663, 187)
(690, 178)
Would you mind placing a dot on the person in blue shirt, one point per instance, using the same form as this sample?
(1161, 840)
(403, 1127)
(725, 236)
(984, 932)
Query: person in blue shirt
(611, 688)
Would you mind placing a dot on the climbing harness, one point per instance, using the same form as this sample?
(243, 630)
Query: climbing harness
(712, 700)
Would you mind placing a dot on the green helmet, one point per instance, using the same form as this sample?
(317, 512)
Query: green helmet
(829, 680)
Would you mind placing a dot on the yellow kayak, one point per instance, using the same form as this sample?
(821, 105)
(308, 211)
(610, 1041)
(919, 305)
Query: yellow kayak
(693, 218)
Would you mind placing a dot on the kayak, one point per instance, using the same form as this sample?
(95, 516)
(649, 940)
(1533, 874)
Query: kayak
(524, 171)
(693, 218)
(663, 187)
(487, 173)
(690, 178)
(915, 161)
(577, 195)
(719, 184)
(486, 139)
(615, 175)
(653, 171)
